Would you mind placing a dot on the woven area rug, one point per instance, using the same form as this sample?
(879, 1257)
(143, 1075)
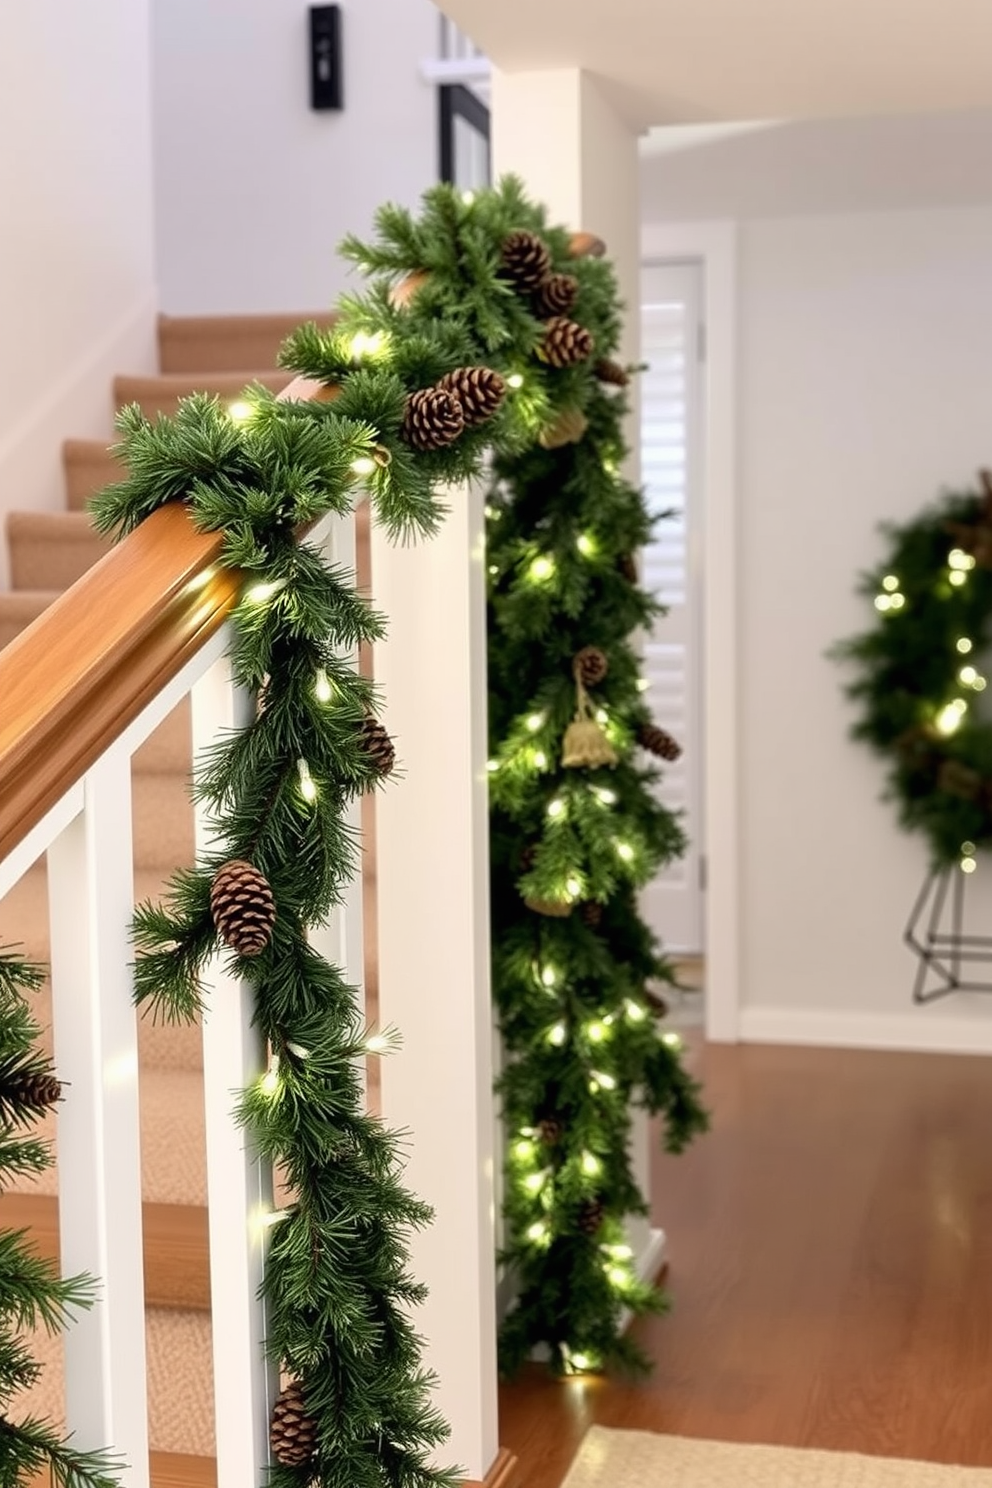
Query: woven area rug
(639, 1459)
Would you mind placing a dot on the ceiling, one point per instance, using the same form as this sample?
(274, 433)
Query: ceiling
(688, 61)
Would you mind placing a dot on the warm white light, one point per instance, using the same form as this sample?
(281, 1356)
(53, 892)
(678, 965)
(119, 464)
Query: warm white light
(964, 645)
(896, 601)
(948, 719)
(882, 602)
(541, 569)
(239, 410)
(380, 1043)
(672, 1040)
(549, 976)
(957, 558)
(643, 684)
(967, 675)
(618, 1275)
(364, 465)
(968, 865)
(494, 568)
(890, 582)
(608, 797)
(524, 1150)
(980, 683)
(556, 808)
(365, 345)
(468, 197)
(492, 766)
(585, 545)
(605, 1082)
(274, 1216)
(260, 593)
(270, 1080)
(557, 1035)
(602, 716)
(968, 849)
(591, 1165)
(573, 888)
(580, 1362)
(515, 381)
(322, 687)
(535, 721)
(537, 1231)
(308, 789)
(540, 759)
(597, 1031)
(534, 1182)
(635, 1012)
(619, 1252)
(957, 576)
(625, 851)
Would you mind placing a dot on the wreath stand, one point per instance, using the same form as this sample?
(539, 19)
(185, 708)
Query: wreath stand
(944, 950)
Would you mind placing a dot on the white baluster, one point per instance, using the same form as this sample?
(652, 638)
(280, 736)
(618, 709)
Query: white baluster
(90, 880)
(239, 1186)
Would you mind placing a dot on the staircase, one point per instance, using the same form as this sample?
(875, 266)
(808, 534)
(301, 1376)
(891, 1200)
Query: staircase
(48, 551)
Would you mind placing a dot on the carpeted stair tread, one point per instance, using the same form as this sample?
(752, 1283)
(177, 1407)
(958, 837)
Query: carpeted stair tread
(226, 343)
(89, 465)
(173, 1145)
(179, 1360)
(18, 610)
(163, 821)
(169, 747)
(162, 394)
(51, 550)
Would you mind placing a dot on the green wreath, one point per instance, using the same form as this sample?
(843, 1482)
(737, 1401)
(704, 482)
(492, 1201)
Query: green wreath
(920, 672)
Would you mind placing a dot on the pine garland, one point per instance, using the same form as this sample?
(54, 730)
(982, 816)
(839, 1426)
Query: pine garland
(336, 1283)
(32, 1294)
(575, 1008)
(919, 672)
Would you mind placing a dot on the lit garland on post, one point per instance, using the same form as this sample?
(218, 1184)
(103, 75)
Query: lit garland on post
(919, 681)
(32, 1294)
(576, 830)
(355, 1411)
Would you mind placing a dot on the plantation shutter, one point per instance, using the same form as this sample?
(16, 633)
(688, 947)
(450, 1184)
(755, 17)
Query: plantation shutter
(671, 345)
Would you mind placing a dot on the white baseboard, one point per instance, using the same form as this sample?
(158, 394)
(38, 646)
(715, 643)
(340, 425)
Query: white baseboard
(652, 1255)
(929, 1029)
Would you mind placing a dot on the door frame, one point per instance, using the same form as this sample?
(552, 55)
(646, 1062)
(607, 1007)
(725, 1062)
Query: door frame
(713, 245)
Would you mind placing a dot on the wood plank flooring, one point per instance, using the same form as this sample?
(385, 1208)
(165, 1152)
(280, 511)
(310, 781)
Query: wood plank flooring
(831, 1268)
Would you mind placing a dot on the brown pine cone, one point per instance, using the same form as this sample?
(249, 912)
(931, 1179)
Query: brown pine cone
(292, 1432)
(242, 907)
(565, 343)
(526, 260)
(556, 295)
(30, 1090)
(591, 1215)
(479, 390)
(592, 914)
(657, 1004)
(550, 1130)
(377, 745)
(658, 741)
(590, 665)
(607, 370)
(433, 418)
(627, 565)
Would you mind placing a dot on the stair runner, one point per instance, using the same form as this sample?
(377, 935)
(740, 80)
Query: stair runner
(48, 551)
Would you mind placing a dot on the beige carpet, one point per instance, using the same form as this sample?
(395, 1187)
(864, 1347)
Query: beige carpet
(639, 1459)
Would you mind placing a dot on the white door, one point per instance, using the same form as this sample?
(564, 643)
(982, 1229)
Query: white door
(672, 346)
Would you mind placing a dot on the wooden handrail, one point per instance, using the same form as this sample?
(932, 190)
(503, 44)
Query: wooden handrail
(72, 682)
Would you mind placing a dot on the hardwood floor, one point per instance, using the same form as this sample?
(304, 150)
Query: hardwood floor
(831, 1257)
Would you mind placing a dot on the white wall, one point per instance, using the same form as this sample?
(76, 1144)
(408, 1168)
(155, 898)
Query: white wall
(254, 190)
(76, 250)
(864, 385)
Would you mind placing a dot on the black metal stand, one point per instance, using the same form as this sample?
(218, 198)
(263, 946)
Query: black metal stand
(944, 952)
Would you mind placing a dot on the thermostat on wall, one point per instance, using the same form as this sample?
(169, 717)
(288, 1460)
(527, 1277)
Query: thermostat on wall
(325, 57)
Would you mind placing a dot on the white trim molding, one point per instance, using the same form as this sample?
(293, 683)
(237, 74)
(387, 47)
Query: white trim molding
(714, 246)
(923, 1031)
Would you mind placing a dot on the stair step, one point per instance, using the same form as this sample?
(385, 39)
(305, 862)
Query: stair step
(226, 343)
(89, 465)
(18, 610)
(51, 550)
(176, 1245)
(162, 394)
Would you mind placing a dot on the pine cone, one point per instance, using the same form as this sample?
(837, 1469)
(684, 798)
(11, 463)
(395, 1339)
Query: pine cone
(627, 565)
(556, 295)
(592, 914)
(433, 419)
(565, 343)
(607, 370)
(377, 745)
(526, 260)
(591, 1215)
(479, 390)
(590, 665)
(242, 907)
(658, 741)
(292, 1432)
(657, 1004)
(550, 1130)
(30, 1090)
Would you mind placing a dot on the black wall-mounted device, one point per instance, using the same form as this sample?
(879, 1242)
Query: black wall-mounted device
(326, 89)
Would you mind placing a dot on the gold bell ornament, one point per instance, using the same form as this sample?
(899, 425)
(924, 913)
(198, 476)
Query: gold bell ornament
(585, 746)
